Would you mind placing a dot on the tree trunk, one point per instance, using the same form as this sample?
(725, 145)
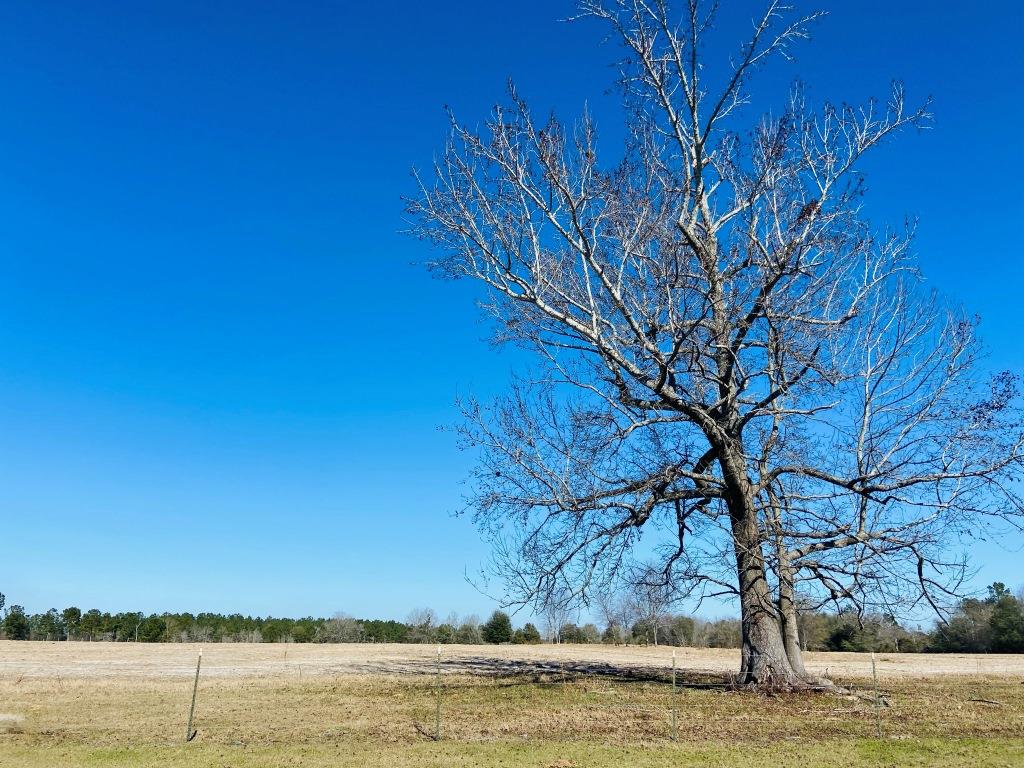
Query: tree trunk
(787, 613)
(764, 660)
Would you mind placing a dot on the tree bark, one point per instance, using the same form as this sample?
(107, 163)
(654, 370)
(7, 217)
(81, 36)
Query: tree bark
(787, 613)
(764, 657)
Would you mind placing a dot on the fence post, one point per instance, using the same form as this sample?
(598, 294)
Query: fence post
(878, 702)
(675, 720)
(189, 733)
(437, 686)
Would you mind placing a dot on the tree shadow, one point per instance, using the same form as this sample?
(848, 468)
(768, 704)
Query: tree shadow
(521, 672)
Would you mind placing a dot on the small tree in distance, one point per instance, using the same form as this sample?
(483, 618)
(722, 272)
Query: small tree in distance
(342, 628)
(16, 624)
(469, 631)
(422, 626)
(531, 634)
(72, 617)
(528, 635)
(497, 629)
(1007, 623)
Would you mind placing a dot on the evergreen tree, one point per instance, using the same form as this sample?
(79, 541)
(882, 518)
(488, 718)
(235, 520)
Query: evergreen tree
(498, 628)
(1006, 625)
(531, 634)
(50, 626)
(16, 624)
(152, 629)
(72, 619)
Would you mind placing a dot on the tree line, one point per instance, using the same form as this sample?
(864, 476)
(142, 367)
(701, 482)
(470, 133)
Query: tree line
(993, 624)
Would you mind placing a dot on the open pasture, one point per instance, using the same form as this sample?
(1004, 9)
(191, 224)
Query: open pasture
(104, 704)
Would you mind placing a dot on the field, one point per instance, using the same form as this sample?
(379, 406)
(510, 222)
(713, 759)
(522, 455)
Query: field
(104, 704)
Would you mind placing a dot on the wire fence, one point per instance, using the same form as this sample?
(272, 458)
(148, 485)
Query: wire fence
(315, 695)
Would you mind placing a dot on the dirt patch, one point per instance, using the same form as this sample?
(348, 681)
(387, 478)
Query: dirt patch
(11, 723)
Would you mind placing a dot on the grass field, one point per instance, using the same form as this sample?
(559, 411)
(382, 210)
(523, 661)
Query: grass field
(101, 704)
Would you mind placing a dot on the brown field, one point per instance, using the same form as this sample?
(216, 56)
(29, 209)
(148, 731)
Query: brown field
(105, 704)
(136, 661)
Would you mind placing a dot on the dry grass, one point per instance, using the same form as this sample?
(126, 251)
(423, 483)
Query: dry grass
(105, 704)
(135, 660)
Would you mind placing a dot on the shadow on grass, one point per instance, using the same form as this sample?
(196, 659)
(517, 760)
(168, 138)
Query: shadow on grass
(521, 672)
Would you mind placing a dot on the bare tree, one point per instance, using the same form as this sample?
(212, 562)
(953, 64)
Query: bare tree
(556, 616)
(650, 599)
(617, 613)
(422, 625)
(732, 361)
(342, 628)
(469, 631)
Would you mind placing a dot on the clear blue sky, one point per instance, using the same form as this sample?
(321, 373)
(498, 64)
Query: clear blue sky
(221, 373)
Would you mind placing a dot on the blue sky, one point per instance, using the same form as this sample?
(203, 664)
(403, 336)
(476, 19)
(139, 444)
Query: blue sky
(222, 371)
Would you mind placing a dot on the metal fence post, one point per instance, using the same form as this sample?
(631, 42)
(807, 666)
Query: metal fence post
(437, 686)
(878, 702)
(189, 733)
(675, 717)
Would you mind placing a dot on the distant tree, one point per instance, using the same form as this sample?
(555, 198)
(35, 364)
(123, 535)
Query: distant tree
(967, 631)
(813, 625)
(130, 623)
(72, 619)
(680, 630)
(422, 626)
(91, 624)
(469, 631)
(152, 629)
(641, 633)
(16, 624)
(556, 615)
(570, 633)
(650, 597)
(3, 601)
(531, 634)
(1006, 624)
(385, 631)
(497, 629)
(275, 630)
(617, 614)
(614, 633)
(848, 632)
(589, 633)
(843, 637)
(50, 626)
(573, 633)
(996, 592)
(994, 624)
(304, 630)
(724, 633)
(448, 630)
(341, 629)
